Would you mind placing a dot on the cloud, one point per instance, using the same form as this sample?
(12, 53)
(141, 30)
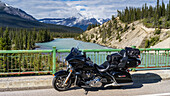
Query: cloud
(44, 8)
(107, 8)
(68, 8)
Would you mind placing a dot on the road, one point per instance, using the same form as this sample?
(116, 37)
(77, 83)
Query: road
(140, 88)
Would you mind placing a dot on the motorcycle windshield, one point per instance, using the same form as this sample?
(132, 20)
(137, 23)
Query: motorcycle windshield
(74, 52)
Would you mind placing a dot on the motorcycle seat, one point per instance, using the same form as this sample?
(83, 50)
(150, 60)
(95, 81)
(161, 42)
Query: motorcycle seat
(102, 68)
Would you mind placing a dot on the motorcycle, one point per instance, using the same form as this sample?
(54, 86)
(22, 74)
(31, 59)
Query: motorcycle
(82, 72)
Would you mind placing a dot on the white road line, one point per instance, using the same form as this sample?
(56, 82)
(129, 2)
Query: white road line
(160, 94)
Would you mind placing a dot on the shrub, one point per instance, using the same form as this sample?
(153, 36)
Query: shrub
(133, 28)
(157, 31)
(92, 36)
(147, 43)
(151, 42)
(126, 28)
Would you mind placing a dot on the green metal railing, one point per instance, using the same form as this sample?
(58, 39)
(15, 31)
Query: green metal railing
(152, 58)
(13, 62)
(16, 62)
(155, 58)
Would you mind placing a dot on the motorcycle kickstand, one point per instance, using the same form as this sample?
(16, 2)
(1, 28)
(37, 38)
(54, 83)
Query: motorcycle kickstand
(86, 91)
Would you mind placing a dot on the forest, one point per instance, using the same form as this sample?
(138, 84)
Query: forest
(22, 39)
(25, 39)
(158, 16)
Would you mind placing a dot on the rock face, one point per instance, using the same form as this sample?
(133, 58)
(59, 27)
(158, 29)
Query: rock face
(15, 11)
(163, 44)
(116, 34)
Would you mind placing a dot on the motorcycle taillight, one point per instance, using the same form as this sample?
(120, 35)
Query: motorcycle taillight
(139, 63)
(138, 56)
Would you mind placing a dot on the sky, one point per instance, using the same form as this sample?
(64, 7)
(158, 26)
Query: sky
(69, 8)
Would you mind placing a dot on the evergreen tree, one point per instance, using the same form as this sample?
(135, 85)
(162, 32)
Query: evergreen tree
(1, 32)
(16, 43)
(96, 24)
(158, 10)
(25, 39)
(113, 18)
(163, 9)
(150, 12)
(119, 15)
(89, 27)
(92, 25)
(168, 11)
(5, 42)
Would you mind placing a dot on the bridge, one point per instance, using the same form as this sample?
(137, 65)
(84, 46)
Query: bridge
(17, 62)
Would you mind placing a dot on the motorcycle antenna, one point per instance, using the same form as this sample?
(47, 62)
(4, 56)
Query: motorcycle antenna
(78, 44)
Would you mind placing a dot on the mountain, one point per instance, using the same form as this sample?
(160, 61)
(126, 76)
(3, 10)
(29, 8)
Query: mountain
(17, 18)
(80, 22)
(15, 11)
(116, 34)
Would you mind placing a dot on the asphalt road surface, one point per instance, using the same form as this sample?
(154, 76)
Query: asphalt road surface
(140, 88)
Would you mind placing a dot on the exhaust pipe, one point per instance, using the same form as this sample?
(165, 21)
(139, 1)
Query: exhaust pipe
(120, 84)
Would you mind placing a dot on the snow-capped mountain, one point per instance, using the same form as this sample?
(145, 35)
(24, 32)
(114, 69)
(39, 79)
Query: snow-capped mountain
(15, 11)
(81, 22)
(16, 18)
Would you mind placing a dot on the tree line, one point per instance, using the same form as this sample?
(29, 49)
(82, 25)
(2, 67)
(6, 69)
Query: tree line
(158, 16)
(65, 35)
(25, 39)
(22, 39)
(90, 26)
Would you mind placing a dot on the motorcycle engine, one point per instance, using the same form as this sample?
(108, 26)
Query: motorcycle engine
(96, 82)
(87, 75)
(91, 80)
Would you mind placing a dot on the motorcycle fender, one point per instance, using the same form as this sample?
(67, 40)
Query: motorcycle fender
(59, 73)
(63, 72)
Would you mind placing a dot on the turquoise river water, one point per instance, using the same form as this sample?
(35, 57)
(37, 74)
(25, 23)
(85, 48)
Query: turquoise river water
(68, 43)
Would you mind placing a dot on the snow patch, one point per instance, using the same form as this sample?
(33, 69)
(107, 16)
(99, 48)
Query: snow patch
(7, 5)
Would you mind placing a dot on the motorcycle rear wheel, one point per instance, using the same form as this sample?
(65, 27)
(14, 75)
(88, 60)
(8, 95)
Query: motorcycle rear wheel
(58, 83)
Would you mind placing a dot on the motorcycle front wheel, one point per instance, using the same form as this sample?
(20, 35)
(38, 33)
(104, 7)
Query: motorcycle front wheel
(58, 83)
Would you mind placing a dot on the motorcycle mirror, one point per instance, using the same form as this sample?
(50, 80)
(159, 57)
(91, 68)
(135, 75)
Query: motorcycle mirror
(84, 53)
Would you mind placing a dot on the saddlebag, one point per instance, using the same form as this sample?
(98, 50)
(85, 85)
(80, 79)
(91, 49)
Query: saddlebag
(132, 63)
(122, 76)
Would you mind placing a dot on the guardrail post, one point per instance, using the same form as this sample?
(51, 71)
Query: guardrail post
(133, 46)
(168, 58)
(54, 60)
(133, 69)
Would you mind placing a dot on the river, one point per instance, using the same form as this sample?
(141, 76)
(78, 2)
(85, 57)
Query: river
(68, 43)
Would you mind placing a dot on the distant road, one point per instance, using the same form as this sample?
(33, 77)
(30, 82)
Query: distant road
(161, 88)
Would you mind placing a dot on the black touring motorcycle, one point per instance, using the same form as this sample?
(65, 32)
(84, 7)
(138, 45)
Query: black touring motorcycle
(84, 73)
